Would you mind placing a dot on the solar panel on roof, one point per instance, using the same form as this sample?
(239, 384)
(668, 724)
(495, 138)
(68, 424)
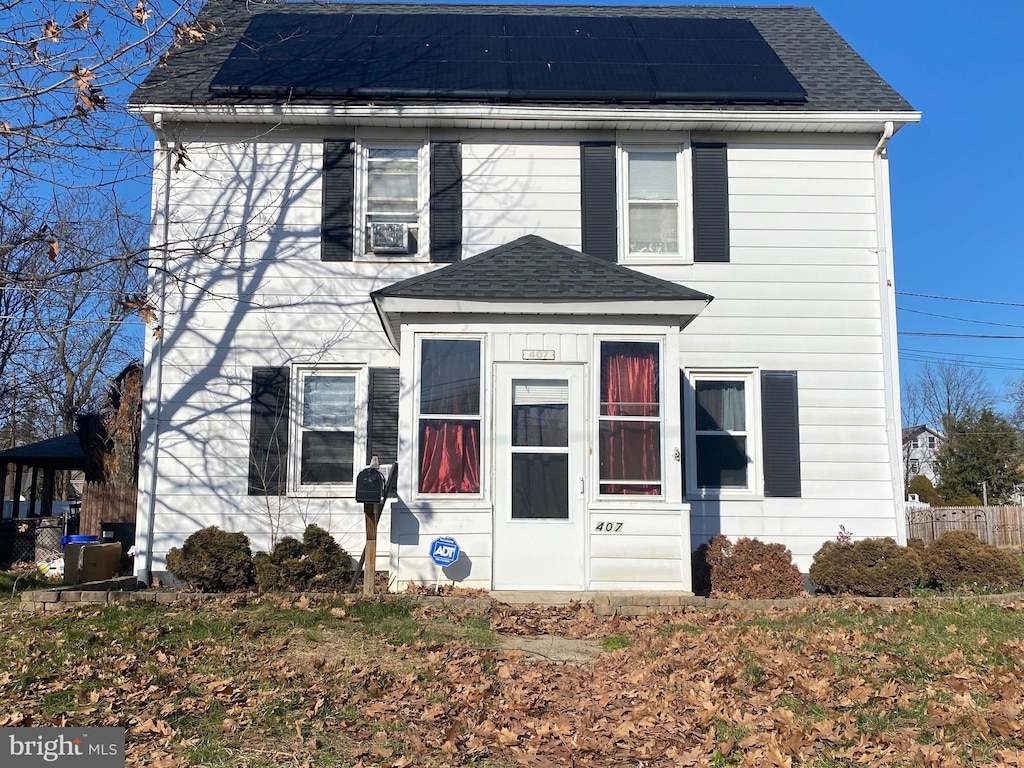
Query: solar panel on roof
(505, 57)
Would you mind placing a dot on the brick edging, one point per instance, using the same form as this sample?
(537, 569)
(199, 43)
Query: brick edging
(605, 604)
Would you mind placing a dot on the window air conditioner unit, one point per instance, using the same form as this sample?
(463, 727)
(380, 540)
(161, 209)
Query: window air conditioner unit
(389, 237)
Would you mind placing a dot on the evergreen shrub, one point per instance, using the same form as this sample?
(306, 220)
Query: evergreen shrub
(959, 559)
(869, 567)
(316, 563)
(212, 560)
(925, 491)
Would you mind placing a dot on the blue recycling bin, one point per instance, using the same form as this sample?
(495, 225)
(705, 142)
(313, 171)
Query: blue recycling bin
(77, 539)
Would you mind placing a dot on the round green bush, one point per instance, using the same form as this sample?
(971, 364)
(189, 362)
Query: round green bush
(212, 560)
(959, 559)
(316, 563)
(869, 567)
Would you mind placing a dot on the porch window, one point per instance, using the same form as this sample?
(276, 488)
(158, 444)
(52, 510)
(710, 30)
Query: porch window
(629, 431)
(449, 416)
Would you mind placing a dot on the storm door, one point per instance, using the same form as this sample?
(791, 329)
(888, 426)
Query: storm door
(539, 477)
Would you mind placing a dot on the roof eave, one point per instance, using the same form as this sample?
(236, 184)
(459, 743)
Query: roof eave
(648, 117)
(396, 310)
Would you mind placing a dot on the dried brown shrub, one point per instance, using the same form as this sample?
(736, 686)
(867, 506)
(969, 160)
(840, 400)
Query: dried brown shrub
(752, 569)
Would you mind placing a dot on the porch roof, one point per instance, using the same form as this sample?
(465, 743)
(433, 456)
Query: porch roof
(534, 276)
(64, 452)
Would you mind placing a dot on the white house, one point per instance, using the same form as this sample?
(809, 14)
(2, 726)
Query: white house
(921, 446)
(605, 281)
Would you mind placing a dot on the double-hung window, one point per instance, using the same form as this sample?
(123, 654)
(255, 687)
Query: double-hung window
(655, 221)
(629, 421)
(724, 432)
(394, 178)
(329, 417)
(449, 416)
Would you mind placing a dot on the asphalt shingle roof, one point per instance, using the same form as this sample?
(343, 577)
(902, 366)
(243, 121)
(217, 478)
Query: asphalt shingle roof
(58, 452)
(532, 269)
(835, 77)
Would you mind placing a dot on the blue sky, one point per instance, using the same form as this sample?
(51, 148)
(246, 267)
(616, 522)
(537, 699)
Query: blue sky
(956, 176)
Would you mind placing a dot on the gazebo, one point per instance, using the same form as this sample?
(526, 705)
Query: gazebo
(56, 453)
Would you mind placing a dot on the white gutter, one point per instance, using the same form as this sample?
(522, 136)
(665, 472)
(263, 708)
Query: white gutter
(890, 351)
(548, 116)
(159, 231)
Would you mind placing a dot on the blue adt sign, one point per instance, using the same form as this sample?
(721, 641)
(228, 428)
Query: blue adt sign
(444, 551)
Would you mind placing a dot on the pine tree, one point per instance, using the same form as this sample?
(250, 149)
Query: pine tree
(980, 449)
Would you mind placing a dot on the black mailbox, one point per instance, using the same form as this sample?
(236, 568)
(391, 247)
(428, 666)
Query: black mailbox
(370, 486)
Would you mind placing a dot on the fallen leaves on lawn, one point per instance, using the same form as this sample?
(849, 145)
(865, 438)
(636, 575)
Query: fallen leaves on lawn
(697, 688)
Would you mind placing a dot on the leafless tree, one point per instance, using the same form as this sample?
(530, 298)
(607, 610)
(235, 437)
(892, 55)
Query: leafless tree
(944, 393)
(71, 202)
(68, 338)
(68, 68)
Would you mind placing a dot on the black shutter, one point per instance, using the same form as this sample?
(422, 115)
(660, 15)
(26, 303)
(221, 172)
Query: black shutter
(268, 432)
(683, 388)
(382, 418)
(710, 203)
(597, 181)
(780, 425)
(336, 226)
(445, 201)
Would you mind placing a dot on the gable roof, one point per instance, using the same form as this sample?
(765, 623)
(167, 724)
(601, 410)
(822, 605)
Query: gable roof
(909, 433)
(833, 75)
(534, 276)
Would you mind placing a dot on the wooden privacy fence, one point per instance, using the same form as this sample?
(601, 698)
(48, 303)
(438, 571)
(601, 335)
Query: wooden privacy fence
(106, 503)
(1001, 526)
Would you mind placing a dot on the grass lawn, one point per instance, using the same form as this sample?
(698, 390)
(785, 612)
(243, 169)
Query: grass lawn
(276, 682)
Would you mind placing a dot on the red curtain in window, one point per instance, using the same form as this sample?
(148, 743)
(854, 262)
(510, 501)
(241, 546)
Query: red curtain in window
(449, 456)
(630, 450)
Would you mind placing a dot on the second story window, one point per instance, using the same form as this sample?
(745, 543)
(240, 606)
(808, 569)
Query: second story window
(393, 200)
(653, 198)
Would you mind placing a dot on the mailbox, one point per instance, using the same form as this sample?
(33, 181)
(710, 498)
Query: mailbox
(370, 486)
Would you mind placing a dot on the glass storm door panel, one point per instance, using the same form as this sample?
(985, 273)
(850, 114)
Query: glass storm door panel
(539, 483)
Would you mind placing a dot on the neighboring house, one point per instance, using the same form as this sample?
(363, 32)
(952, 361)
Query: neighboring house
(921, 446)
(605, 281)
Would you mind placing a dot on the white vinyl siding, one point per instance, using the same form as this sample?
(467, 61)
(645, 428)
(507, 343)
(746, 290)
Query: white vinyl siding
(802, 292)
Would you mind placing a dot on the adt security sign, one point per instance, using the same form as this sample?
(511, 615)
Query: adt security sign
(444, 551)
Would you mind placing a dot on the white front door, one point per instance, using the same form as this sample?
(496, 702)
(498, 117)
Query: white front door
(540, 436)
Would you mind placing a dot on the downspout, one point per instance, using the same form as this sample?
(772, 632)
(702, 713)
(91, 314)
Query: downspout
(890, 350)
(159, 231)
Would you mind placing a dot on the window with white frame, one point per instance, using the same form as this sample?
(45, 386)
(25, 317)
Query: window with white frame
(931, 442)
(449, 415)
(329, 416)
(393, 180)
(629, 420)
(655, 220)
(723, 428)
